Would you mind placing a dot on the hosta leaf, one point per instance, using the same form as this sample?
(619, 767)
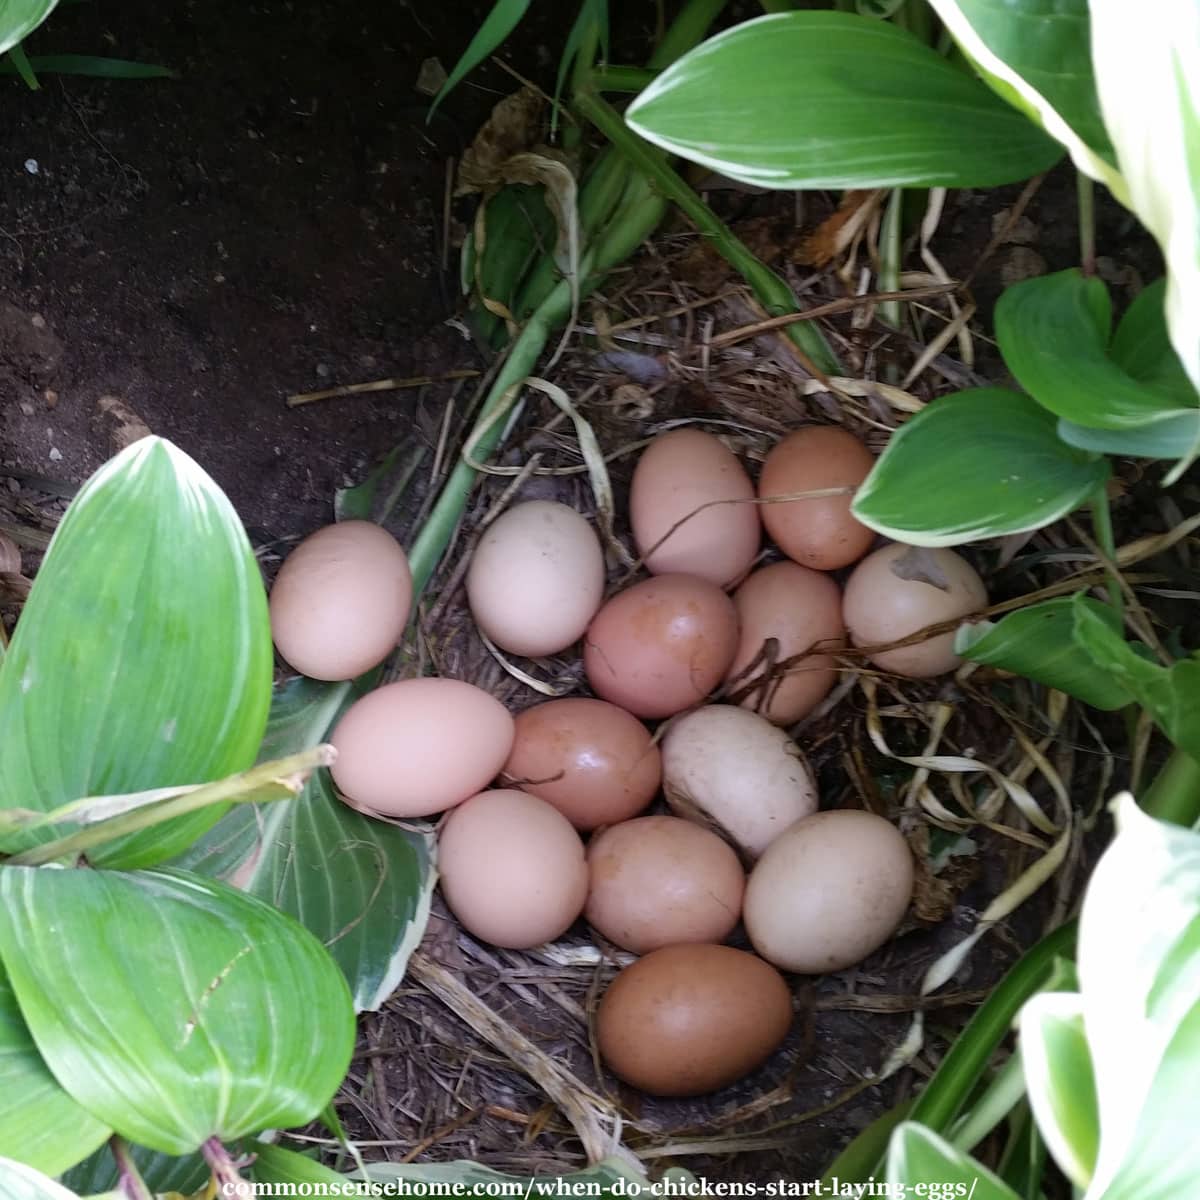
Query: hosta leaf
(18, 1181)
(1142, 346)
(1037, 642)
(361, 886)
(142, 658)
(18, 18)
(1169, 438)
(917, 1155)
(162, 1172)
(1054, 334)
(174, 1008)
(39, 1123)
(836, 100)
(278, 1165)
(972, 465)
(504, 17)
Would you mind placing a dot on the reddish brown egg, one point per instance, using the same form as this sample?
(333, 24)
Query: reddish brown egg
(819, 532)
(594, 762)
(686, 1020)
(662, 645)
(798, 608)
(662, 881)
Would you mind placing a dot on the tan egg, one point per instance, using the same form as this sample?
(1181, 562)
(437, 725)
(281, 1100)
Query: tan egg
(686, 1020)
(512, 869)
(420, 746)
(798, 608)
(536, 578)
(828, 891)
(341, 600)
(900, 590)
(662, 645)
(660, 881)
(596, 763)
(734, 771)
(678, 474)
(819, 532)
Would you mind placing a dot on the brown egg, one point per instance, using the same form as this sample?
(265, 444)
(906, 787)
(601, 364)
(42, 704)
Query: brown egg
(679, 473)
(902, 589)
(420, 746)
(686, 1020)
(596, 763)
(512, 869)
(798, 608)
(340, 601)
(820, 532)
(660, 881)
(828, 891)
(662, 645)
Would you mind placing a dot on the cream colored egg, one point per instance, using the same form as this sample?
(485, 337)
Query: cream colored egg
(734, 770)
(828, 891)
(900, 590)
(536, 578)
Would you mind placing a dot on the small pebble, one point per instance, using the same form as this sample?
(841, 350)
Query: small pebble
(27, 408)
(55, 454)
(324, 370)
(31, 165)
(38, 321)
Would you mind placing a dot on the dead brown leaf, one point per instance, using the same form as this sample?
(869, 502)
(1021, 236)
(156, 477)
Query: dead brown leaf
(837, 231)
(129, 427)
(514, 127)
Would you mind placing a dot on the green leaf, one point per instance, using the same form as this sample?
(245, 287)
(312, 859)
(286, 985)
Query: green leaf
(609, 1177)
(1142, 346)
(918, 1156)
(1037, 642)
(39, 1123)
(1061, 1083)
(18, 1181)
(1170, 694)
(18, 18)
(17, 63)
(96, 66)
(593, 15)
(972, 465)
(361, 886)
(1170, 438)
(836, 100)
(143, 656)
(277, 1165)
(1037, 56)
(1054, 332)
(174, 1008)
(498, 24)
(362, 502)
(161, 1172)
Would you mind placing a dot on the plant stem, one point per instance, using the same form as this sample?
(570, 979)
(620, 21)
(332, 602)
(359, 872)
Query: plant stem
(1175, 793)
(1086, 191)
(1103, 528)
(130, 1183)
(889, 256)
(772, 292)
(917, 17)
(621, 79)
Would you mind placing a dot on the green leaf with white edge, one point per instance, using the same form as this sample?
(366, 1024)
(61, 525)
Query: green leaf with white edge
(194, 1011)
(504, 17)
(162, 1172)
(1147, 64)
(39, 1122)
(363, 887)
(1060, 1081)
(973, 465)
(143, 656)
(1039, 61)
(1171, 694)
(1142, 346)
(1037, 642)
(19, 1181)
(836, 100)
(919, 1157)
(19, 18)
(1139, 973)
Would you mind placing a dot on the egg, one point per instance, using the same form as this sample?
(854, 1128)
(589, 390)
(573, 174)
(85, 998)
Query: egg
(819, 532)
(340, 601)
(686, 1020)
(536, 578)
(596, 763)
(512, 869)
(797, 608)
(420, 746)
(680, 473)
(659, 881)
(662, 645)
(899, 590)
(828, 891)
(735, 771)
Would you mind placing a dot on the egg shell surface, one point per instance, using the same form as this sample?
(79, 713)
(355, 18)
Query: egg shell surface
(536, 578)
(420, 746)
(659, 881)
(340, 601)
(679, 473)
(596, 763)
(819, 532)
(686, 1020)
(662, 645)
(512, 869)
(828, 891)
